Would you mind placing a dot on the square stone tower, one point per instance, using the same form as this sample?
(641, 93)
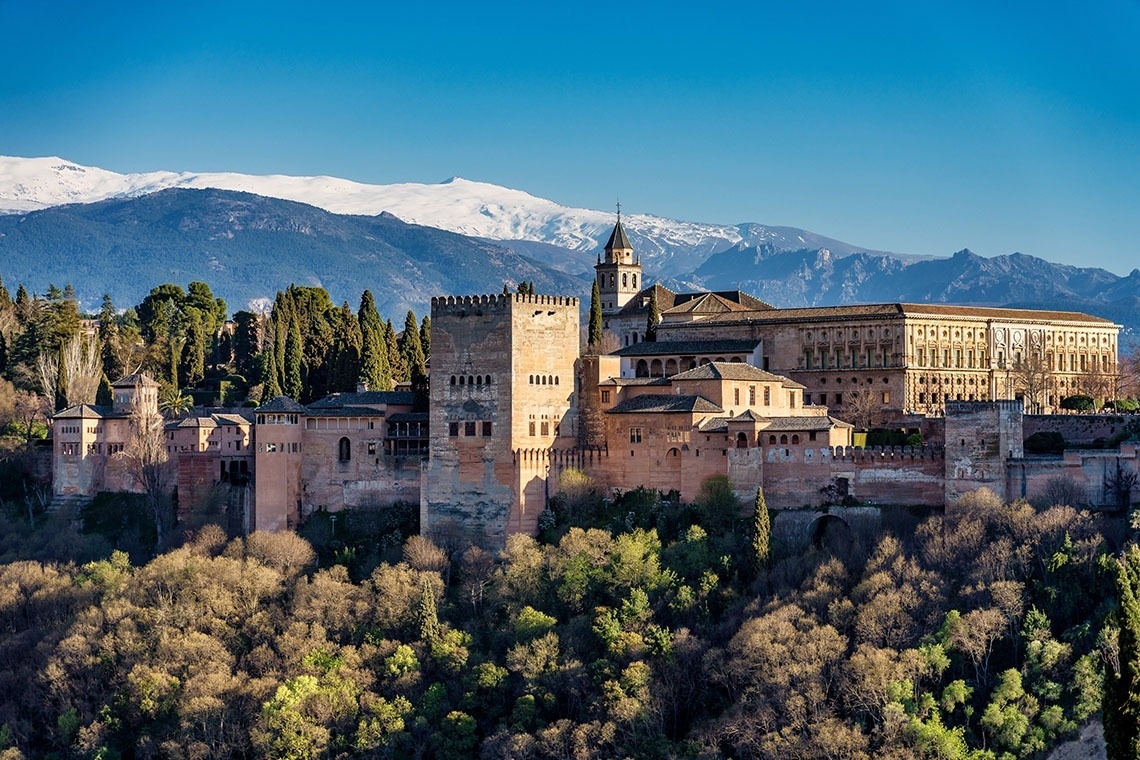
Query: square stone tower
(981, 438)
(503, 402)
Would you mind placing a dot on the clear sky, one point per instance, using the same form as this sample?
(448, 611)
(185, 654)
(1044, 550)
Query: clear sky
(916, 127)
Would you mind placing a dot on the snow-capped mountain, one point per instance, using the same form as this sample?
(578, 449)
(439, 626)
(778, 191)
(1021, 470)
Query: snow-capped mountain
(475, 209)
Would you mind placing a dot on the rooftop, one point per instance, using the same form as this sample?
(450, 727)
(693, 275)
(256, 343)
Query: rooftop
(733, 371)
(688, 347)
(662, 403)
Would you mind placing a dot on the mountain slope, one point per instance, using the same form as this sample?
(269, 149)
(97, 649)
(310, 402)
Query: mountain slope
(247, 247)
(470, 208)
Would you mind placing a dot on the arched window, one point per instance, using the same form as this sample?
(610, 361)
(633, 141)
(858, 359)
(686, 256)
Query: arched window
(344, 450)
(795, 439)
(624, 280)
(642, 368)
(741, 441)
(453, 379)
(478, 379)
(611, 279)
(771, 440)
(556, 379)
(783, 439)
(635, 280)
(470, 380)
(488, 381)
(461, 379)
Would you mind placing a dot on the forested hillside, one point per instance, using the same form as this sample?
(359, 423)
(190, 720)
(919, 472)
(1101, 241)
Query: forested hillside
(641, 628)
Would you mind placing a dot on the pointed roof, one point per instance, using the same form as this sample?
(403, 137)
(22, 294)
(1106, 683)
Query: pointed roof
(618, 238)
(664, 403)
(733, 371)
(140, 379)
(282, 404)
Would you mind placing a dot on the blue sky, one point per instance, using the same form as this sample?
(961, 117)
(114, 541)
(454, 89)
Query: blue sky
(912, 127)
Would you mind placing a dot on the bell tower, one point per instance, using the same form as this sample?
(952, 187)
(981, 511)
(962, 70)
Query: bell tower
(619, 274)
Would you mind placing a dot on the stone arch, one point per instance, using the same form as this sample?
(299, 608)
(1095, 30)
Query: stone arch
(741, 440)
(784, 439)
(656, 369)
(670, 366)
(795, 439)
(642, 368)
(344, 449)
(830, 532)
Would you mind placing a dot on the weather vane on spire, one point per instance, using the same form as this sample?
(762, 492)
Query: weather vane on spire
(619, 209)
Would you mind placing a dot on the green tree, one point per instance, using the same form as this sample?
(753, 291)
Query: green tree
(761, 532)
(595, 334)
(246, 341)
(192, 368)
(425, 336)
(61, 380)
(109, 338)
(653, 318)
(375, 370)
(1122, 687)
(395, 360)
(269, 377)
(412, 352)
(293, 387)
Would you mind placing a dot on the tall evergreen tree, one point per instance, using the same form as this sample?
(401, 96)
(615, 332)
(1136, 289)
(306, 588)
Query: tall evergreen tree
(272, 386)
(192, 368)
(395, 360)
(246, 341)
(761, 532)
(61, 381)
(3, 355)
(1122, 689)
(24, 307)
(105, 395)
(346, 351)
(294, 384)
(425, 336)
(654, 317)
(109, 338)
(375, 369)
(412, 352)
(595, 334)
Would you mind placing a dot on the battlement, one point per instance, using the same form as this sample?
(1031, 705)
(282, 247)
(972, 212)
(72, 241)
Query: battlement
(975, 407)
(859, 454)
(461, 306)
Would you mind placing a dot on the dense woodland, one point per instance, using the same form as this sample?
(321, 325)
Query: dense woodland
(638, 626)
(53, 356)
(634, 628)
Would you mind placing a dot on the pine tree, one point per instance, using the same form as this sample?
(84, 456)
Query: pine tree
(412, 352)
(595, 335)
(192, 368)
(654, 317)
(761, 532)
(105, 395)
(1122, 689)
(293, 386)
(506, 289)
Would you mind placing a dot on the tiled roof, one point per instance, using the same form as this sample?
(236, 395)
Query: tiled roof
(797, 424)
(677, 303)
(714, 425)
(733, 371)
(140, 379)
(282, 404)
(664, 403)
(345, 411)
(364, 398)
(891, 310)
(688, 347)
(231, 419)
(618, 238)
(85, 412)
(623, 381)
(408, 417)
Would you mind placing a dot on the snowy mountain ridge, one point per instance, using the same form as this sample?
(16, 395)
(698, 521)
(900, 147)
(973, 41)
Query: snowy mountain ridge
(476, 209)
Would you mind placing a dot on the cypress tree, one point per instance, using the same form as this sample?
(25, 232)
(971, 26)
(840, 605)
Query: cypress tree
(105, 395)
(595, 335)
(654, 317)
(109, 338)
(293, 387)
(3, 354)
(395, 360)
(375, 370)
(761, 532)
(272, 387)
(425, 336)
(24, 306)
(412, 352)
(193, 364)
(61, 382)
(1122, 689)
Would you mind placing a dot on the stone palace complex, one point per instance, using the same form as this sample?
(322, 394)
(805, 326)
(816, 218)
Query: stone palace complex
(730, 386)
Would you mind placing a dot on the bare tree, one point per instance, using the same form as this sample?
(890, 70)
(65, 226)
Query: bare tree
(147, 462)
(1031, 378)
(863, 408)
(1101, 386)
(82, 365)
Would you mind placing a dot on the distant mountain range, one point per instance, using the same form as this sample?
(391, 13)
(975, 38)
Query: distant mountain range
(250, 236)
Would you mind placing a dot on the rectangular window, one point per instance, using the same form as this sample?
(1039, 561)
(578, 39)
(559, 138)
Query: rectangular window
(839, 399)
(635, 435)
(767, 396)
(469, 428)
(811, 435)
(605, 397)
(752, 395)
(736, 396)
(453, 429)
(486, 428)
(271, 448)
(886, 397)
(545, 427)
(372, 448)
(532, 428)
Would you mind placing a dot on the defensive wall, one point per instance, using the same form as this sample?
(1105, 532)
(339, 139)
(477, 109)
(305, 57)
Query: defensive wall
(1082, 429)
